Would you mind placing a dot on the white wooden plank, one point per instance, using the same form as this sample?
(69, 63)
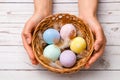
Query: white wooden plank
(11, 34)
(11, 13)
(15, 25)
(44, 75)
(112, 32)
(14, 62)
(56, 0)
(15, 57)
(18, 18)
(4, 13)
(11, 7)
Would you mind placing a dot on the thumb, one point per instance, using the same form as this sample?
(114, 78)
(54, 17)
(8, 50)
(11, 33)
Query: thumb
(97, 45)
(29, 26)
(28, 38)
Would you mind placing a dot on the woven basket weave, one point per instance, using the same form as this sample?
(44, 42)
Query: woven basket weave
(57, 21)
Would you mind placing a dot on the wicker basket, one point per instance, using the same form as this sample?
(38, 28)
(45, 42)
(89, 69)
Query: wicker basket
(57, 21)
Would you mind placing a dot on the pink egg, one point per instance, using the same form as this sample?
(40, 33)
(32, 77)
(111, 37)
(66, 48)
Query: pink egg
(67, 58)
(68, 30)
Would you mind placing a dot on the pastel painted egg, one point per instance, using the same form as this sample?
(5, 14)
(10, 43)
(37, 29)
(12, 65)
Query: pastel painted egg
(67, 58)
(50, 35)
(67, 31)
(77, 45)
(51, 52)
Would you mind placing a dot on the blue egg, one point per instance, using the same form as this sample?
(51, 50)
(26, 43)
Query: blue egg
(50, 35)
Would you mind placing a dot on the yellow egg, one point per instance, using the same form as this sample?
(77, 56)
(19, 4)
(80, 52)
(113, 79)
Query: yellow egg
(78, 44)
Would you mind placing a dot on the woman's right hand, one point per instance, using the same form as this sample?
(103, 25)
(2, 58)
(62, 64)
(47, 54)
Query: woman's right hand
(42, 8)
(27, 35)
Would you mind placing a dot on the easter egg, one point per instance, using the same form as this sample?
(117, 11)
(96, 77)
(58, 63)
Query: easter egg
(78, 44)
(67, 58)
(51, 52)
(68, 31)
(50, 35)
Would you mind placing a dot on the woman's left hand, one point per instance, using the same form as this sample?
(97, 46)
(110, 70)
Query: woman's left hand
(100, 39)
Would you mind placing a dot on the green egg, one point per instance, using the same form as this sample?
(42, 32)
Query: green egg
(52, 52)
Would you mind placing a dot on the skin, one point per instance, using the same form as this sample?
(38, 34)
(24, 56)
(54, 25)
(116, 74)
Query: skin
(42, 8)
(87, 10)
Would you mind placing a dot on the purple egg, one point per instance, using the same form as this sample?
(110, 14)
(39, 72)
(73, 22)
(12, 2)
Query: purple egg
(67, 58)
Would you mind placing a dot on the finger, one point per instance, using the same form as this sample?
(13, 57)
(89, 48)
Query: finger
(99, 39)
(95, 57)
(98, 44)
(98, 33)
(28, 38)
(29, 50)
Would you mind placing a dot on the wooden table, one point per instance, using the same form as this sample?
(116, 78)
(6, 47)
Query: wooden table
(14, 62)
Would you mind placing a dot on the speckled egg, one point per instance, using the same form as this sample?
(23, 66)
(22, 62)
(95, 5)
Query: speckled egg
(67, 58)
(77, 45)
(51, 52)
(67, 31)
(50, 35)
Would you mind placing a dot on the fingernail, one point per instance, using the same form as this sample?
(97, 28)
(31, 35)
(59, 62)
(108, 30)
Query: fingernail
(87, 66)
(34, 62)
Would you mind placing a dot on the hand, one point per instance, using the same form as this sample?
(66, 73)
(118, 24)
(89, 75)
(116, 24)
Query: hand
(42, 8)
(27, 35)
(100, 39)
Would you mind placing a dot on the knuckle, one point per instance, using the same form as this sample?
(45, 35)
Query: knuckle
(24, 33)
(100, 40)
(32, 58)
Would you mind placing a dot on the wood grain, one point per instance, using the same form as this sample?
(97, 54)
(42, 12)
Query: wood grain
(15, 63)
(13, 13)
(11, 34)
(56, 1)
(45, 75)
(15, 57)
